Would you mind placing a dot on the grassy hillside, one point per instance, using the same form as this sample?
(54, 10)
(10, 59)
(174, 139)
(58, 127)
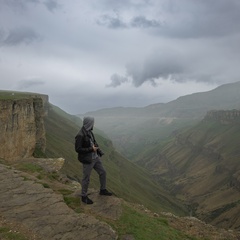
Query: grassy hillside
(125, 179)
(17, 95)
(201, 166)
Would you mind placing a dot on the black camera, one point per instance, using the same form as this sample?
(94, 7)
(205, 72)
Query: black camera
(100, 152)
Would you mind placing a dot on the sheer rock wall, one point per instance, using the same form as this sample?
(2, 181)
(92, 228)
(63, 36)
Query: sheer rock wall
(22, 127)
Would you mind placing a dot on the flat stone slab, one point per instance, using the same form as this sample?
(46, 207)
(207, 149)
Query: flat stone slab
(105, 206)
(44, 212)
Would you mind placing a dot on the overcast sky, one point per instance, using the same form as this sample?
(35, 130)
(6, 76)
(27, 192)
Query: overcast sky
(93, 54)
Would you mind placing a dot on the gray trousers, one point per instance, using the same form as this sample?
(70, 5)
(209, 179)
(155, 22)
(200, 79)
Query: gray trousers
(87, 169)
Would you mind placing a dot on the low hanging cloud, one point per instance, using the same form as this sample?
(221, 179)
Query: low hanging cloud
(117, 80)
(149, 70)
(179, 19)
(109, 21)
(17, 36)
(115, 22)
(178, 67)
(153, 68)
(143, 22)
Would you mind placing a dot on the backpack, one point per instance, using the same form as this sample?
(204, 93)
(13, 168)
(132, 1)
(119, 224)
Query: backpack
(76, 143)
(81, 134)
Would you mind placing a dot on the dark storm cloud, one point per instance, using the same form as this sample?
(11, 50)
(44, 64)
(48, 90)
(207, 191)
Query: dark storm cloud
(17, 36)
(180, 19)
(117, 80)
(143, 22)
(29, 83)
(151, 69)
(113, 22)
(207, 25)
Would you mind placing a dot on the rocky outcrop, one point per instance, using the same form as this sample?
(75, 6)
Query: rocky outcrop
(22, 127)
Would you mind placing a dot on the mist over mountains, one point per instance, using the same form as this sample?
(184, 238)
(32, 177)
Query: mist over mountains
(132, 129)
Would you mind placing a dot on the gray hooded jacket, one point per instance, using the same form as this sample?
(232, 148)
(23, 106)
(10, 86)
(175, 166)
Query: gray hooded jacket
(88, 123)
(85, 140)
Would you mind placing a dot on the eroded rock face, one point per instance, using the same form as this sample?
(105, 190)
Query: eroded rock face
(21, 127)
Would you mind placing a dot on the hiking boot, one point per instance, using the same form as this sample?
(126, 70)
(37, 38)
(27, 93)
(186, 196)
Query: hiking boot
(87, 200)
(105, 192)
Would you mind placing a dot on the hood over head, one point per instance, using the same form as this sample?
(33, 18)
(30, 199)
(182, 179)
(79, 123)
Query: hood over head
(88, 123)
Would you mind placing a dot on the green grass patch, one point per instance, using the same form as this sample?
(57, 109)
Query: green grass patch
(26, 178)
(38, 153)
(7, 233)
(40, 176)
(30, 167)
(65, 191)
(53, 176)
(4, 229)
(45, 185)
(73, 202)
(2, 161)
(142, 226)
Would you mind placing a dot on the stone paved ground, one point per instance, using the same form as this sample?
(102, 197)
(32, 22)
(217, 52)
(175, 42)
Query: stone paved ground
(44, 212)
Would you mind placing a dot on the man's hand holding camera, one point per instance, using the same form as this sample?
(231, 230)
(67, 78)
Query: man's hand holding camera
(95, 148)
(100, 153)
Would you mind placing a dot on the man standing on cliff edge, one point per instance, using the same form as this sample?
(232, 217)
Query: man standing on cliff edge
(89, 155)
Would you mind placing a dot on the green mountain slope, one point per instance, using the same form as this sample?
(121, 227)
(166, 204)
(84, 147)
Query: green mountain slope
(125, 179)
(196, 105)
(201, 166)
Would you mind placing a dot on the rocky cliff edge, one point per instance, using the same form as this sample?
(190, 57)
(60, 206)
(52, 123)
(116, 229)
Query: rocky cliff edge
(22, 127)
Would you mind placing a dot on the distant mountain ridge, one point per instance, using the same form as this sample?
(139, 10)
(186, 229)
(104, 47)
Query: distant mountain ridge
(194, 105)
